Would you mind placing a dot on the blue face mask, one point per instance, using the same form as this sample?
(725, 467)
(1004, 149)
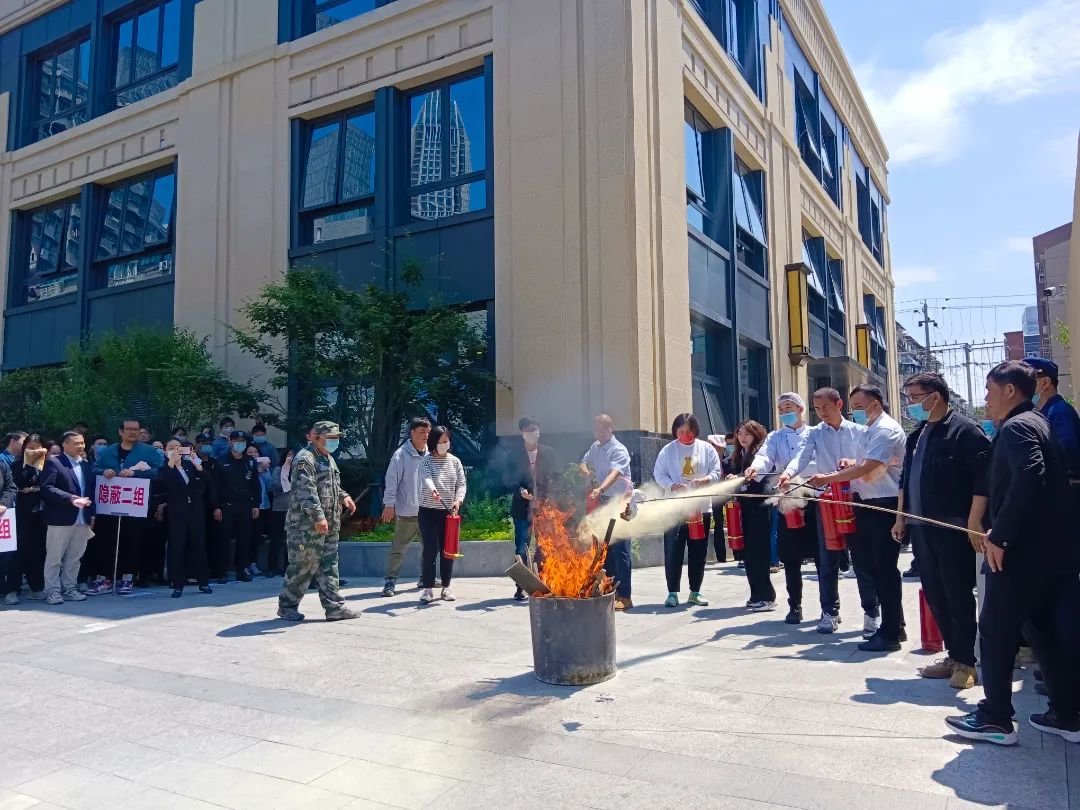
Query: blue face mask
(332, 445)
(789, 419)
(859, 417)
(260, 440)
(239, 447)
(917, 412)
(989, 428)
(1036, 398)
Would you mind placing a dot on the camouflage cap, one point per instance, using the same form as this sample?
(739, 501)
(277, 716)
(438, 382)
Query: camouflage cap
(325, 428)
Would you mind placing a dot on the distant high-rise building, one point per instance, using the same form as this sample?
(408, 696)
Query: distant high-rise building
(1051, 251)
(1032, 341)
(427, 165)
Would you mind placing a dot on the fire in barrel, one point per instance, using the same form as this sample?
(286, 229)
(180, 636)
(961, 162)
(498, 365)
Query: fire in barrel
(572, 604)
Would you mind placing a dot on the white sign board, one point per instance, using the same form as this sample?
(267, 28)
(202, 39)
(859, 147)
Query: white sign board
(127, 497)
(8, 532)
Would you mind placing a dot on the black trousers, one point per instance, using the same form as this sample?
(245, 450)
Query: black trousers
(879, 556)
(677, 546)
(29, 558)
(237, 525)
(1028, 600)
(794, 546)
(187, 547)
(260, 533)
(828, 573)
(276, 558)
(719, 541)
(432, 535)
(757, 556)
(947, 569)
(104, 553)
(861, 550)
(152, 551)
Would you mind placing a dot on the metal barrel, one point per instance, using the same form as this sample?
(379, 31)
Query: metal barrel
(573, 639)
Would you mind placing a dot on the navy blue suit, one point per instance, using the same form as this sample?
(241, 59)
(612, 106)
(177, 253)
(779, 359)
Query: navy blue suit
(59, 485)
(65, 539)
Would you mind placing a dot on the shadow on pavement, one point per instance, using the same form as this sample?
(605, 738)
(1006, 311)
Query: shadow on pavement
(489, 605)
(261, 627)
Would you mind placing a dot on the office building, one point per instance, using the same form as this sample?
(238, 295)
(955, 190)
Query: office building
(653, 207)
(1051, 251)
(1014, 345)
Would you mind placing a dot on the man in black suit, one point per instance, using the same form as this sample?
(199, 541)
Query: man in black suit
(66, 486)
(1030, 563)
(530, 469)
(184, 483)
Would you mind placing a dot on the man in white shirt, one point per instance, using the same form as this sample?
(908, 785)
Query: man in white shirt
(874, 474)
(607, 463)
(827, 443)
(780, 448)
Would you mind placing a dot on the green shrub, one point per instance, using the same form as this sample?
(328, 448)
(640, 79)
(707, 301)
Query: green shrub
(483, 518)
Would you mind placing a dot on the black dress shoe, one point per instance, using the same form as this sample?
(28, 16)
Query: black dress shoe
(342, 582)
(878, 643)
(177, 593)
(794, 616)
(243, 576)
(519, 595)
(205, 589)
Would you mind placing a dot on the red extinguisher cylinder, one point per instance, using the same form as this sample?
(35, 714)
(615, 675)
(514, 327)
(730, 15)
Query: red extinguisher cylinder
(845, 512)
(928, 626)
(795, 519)
(733, 519)
(452, 538)
(696, 528)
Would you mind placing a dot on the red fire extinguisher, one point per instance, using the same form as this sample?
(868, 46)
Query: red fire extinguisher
(845, 512)
(928, 627)
(452, 538)
(795, 519)
(733, 519)
(591, 501)
(696, 526)
(834, 541)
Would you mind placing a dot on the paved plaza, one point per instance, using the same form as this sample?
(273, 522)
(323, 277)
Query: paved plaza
(208, 701)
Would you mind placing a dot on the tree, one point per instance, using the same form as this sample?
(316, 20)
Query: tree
(367, 360)
(164, 377)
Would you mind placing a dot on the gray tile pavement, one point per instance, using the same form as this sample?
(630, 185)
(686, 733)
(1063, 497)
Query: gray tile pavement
(210, 702)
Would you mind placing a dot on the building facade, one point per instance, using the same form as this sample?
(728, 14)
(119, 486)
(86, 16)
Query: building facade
(1051, 253)
(653, 207)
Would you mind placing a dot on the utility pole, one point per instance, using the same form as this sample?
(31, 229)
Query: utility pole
(967, 368)
(925, 323)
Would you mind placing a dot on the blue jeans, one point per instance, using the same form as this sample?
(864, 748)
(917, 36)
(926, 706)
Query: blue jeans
(618, 565)
(522, 530)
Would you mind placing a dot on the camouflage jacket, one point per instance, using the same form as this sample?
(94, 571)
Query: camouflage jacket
(316, 492)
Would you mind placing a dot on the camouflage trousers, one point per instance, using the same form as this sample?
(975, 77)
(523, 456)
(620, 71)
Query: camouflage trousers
(312, 556)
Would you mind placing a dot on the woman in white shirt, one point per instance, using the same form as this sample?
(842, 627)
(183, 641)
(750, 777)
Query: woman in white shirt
(442, 489)
(685, 463)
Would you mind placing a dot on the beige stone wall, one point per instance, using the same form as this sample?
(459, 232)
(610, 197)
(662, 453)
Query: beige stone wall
(1073, 298)
(592, 293)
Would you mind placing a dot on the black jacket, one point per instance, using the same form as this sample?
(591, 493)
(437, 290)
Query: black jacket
(26, 476)
(8, 490)
(1028, 492)
(59, 486)
(183, 499)
(954, 467)
(518, 476)
(236, 483)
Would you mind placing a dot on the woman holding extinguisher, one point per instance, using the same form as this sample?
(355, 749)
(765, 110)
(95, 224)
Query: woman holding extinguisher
(756, 519)
(683, 464)
(442, 490)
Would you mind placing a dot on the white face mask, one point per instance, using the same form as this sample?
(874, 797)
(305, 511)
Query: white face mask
(531, 437)
(444, 448)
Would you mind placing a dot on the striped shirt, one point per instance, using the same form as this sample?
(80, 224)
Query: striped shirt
(448, 477)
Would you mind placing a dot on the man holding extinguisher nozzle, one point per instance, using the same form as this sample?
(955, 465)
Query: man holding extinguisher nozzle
(874, 474)
(832, 439)
(607, 462)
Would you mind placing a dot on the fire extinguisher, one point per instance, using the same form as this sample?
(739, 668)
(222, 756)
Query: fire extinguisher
(840, 492)
(696, 527)
(928, 627)
(733, 520)
(452, 537)
(795, 519)
(834, 541)
(591, 501)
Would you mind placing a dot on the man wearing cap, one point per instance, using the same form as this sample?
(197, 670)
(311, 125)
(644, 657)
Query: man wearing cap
(235, 497)
(312, 525)
(1063, 419)
(780, 448)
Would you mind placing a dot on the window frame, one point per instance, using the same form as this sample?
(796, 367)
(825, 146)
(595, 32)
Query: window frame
(24, 227)
(308, 14)
(306, 214)
(723, 336)
(409, 191)
(132, 15)
(36, 62)
(99, 266)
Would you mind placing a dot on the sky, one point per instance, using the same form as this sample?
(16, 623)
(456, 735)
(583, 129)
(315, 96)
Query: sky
(979, 104)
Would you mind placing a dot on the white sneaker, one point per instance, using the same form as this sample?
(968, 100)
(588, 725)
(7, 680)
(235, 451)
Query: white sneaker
(850, 574)
(54, 598)
(870, 625)
(447, 596)
(762, 607)
(11, 599)
(253, 569)
(828, 623)
(427, 596)
(37, 596)
(74, 596)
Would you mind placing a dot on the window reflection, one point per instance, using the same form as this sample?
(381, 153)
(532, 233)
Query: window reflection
(62, 89)
(147, 50)
(53, 250)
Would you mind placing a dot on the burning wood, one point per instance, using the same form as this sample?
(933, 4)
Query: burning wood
(569, 566)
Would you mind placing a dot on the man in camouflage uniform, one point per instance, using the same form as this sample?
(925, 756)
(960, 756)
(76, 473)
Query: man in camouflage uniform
(312, 525)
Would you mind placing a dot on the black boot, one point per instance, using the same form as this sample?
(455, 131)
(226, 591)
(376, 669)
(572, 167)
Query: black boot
(794, 615)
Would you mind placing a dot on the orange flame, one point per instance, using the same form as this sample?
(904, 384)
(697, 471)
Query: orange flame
(569, 567)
